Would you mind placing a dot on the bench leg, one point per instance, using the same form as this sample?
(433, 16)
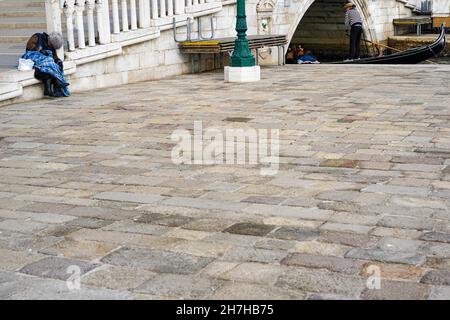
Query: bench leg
(195, 62)
(281, 56)
(278, 56)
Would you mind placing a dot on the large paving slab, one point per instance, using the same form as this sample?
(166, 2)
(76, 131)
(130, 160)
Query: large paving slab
(362, 190)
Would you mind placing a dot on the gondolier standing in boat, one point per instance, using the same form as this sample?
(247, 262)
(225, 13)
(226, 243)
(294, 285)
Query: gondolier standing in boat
(353, 21)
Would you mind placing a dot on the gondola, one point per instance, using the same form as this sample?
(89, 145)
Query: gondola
(411, 56)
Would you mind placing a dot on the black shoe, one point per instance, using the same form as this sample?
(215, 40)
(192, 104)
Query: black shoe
(48, 88)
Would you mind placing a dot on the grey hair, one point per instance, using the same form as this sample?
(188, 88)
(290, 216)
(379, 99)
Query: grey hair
(55, 39)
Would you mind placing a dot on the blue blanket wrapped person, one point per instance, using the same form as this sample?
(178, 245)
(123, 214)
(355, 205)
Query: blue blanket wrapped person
(308, 58)
(41, 49)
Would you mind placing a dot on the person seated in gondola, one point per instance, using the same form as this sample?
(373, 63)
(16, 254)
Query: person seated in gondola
(41, 49)
(298, 50)
(290, 58)
(307, 58)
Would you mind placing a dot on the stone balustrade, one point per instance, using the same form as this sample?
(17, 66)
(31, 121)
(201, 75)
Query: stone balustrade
(87, 24)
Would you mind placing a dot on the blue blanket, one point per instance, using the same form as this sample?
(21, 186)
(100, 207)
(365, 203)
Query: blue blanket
(43, 61)
(307, 58)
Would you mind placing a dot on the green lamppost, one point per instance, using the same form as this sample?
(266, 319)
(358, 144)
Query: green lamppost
(242, 55)
(242, 66)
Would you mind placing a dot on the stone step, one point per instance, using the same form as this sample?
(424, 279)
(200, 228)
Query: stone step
(14, 39)
(9, 60)
(21, 3)
(23, 23)
(12, 48)
(22, 12)
(17, 35)
(10, 90)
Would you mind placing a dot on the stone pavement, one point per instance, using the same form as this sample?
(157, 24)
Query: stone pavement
(363, 190)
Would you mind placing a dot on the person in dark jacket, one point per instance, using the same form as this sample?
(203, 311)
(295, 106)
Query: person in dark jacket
(298, 51)
(353, 21)
(42, 43)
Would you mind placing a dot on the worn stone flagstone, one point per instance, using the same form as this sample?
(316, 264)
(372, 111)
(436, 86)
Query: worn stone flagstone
(118, 278)
(181, 286)
(27, 288)
(157, 260)
(363, 181)
(341, 265)
(386, 256)
(250, 229)
(56, 268)
(320, 281)
(292, 233)
(397, 290)
(437, 277)
(13, 260)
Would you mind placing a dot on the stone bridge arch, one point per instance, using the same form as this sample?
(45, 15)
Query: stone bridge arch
(287, 15)
(298, 9)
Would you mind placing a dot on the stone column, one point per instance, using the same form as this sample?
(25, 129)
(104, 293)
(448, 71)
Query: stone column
(115, 15)
(133, 14)
(179, 6)
(68, 12)
(91, 24)
(53, 15)
(79, 10)
(106, 21)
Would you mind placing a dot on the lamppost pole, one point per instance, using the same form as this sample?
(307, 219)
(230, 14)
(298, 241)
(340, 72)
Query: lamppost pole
(242, 65)
(242, 55)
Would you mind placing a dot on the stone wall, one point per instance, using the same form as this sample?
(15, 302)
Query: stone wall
(155, 59)
(383, 13)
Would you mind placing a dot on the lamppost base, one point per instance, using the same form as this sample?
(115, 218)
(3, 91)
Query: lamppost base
(242, 74)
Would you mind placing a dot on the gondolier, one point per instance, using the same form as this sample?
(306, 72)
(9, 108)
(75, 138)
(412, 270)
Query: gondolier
(353, 21)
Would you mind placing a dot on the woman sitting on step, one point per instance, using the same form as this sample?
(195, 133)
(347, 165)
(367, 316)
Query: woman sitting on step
(41, 48)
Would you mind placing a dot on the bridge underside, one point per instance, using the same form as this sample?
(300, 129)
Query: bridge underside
(322, 29)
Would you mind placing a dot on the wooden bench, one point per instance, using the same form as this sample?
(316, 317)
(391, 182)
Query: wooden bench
(418, 21)
(226, 45)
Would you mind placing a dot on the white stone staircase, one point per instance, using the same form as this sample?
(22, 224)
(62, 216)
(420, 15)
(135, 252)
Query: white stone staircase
(87, 40)
(19, 19)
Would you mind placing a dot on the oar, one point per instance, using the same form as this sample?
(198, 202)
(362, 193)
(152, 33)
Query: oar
(382, 45)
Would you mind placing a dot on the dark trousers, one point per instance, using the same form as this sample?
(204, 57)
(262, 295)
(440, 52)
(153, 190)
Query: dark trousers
(355, 42)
